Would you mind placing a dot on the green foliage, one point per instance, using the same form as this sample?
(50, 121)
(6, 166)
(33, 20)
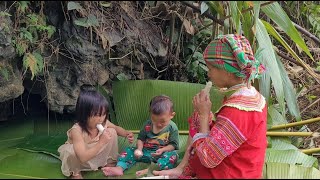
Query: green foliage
(275, 12)
(204, 7)
(247, 22)
(34, 62)
(31, 32)
(89, 21)
(195, 63)
(4, 21)
(312, 12)
(74, 6)
(318, 65)
(122, 77)
(4, 73)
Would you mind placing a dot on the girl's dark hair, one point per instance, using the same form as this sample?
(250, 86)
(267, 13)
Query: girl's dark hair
(161, 104)
(90, 103)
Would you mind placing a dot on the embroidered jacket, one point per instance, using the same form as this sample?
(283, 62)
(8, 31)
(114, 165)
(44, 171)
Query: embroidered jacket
(236, 144)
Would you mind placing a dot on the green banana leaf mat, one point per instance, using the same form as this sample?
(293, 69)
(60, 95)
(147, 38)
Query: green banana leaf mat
(28, 147)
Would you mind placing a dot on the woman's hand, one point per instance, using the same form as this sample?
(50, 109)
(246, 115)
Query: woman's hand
(130, 137)
(202, 104)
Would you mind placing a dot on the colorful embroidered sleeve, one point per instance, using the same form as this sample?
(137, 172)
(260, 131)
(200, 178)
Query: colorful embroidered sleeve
(194, 123)
(223, 139)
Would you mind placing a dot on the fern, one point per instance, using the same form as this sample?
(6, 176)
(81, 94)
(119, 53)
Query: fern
(33, 62)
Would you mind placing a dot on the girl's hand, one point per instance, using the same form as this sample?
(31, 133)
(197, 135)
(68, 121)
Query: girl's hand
(202, 104)
(130, 137)
(105, 136)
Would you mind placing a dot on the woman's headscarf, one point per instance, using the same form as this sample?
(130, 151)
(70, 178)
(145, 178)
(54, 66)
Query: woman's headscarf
(234, 54)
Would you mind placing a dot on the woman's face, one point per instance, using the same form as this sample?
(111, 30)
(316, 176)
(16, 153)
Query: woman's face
(219, 77)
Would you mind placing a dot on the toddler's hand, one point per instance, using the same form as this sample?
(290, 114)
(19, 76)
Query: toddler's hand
(130, 137)
(138, 153)
(157, 153)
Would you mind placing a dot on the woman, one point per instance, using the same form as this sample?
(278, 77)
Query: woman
(234, 145)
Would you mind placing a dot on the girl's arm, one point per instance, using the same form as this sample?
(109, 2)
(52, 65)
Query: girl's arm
(120, 131)
(84, 153)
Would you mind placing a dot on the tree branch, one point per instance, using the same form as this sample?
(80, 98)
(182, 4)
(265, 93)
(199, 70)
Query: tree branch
(292, 60)
(307, 33)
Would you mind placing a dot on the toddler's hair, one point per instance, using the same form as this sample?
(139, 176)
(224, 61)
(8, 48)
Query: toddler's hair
(161, 104)
(90, 103)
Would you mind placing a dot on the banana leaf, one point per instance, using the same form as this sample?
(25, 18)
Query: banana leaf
(289, 171)
(38, 149)
(23, 164)
(132, 98)
(291, 156)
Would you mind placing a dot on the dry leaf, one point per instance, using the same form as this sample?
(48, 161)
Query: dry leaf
(188, 26)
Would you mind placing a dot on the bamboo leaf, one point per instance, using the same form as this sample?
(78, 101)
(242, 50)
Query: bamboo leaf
(235, 15)
(276, 35)
(247, 23)
(289, 92)
(270, 61)
(217, 6)
(275, 12)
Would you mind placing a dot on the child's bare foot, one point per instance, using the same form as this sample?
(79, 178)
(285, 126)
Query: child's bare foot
(141, 172)
(77, 176)
(172, 173)
(112, 171)
(112, 164)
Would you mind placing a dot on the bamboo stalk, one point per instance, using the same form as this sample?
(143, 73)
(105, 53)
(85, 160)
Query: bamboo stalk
(310, 151)
(283, 126)
(180, 132)
(313, 134)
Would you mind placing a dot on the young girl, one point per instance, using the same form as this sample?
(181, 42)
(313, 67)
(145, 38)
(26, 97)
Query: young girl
(87, 149)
